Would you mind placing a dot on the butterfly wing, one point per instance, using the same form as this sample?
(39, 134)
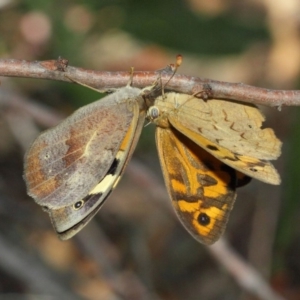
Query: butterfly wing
(69, 220)
(230, 131)
(201, 187)
(67, 161)
(66, 164)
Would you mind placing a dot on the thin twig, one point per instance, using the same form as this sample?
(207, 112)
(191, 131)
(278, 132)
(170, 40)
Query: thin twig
(244, 274)
(59, 70)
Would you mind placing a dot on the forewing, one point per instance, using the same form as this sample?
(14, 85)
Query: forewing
(228, 130)
(65, 163)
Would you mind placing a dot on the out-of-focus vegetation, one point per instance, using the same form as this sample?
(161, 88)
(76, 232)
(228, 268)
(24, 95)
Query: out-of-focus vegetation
(136, 248)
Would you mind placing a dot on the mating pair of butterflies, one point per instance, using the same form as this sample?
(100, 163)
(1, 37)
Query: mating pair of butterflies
(207, 148)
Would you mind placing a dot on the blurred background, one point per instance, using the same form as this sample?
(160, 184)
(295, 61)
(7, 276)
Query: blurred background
(135, 248)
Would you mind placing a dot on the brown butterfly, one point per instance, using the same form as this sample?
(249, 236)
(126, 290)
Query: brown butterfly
(72, 168)
(207, 149)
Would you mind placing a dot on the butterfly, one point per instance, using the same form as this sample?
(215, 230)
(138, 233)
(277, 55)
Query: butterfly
(71, 169)
(207, 149)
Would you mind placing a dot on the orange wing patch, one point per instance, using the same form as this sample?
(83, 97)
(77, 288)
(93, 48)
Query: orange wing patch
(201, 187)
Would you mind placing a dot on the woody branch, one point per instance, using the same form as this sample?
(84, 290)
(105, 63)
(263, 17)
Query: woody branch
(104, 81)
